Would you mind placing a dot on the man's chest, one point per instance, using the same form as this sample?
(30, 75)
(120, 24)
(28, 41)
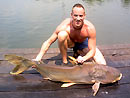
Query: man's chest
(78, 35)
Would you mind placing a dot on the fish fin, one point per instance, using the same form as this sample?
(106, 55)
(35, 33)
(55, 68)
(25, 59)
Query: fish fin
(95, 88)
(47, 78)
(18, 69)
(73, 60)
(21, 63)
(67, 84)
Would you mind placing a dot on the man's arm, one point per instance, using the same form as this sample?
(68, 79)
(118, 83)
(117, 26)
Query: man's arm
(46, 45)
(52, 39)
(91, 45)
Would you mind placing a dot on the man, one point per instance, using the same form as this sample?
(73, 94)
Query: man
(76, 33)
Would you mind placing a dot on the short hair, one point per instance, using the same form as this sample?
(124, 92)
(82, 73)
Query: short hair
(78, 5)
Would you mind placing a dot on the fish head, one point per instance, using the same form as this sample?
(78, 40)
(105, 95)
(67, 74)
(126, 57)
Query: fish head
(105, 74)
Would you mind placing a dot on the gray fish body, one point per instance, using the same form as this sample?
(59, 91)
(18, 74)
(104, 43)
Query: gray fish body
(84, 74)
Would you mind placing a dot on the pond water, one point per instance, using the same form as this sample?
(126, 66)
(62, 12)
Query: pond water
(27, 23)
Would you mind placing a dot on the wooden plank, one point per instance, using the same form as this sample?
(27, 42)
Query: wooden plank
(30, 83)
(114, 46)
(113, 49)
(32, 52)
(27, 50)
(54, 50)
(56, 56)
(76, 91)
(118, 51)
(125, 75)
(60, 94)
(33, 55)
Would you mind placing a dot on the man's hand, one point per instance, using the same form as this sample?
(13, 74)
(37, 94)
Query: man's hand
(38, 62)
(35, 60)
(80, 59)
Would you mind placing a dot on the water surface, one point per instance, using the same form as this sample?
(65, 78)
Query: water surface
(27, 23)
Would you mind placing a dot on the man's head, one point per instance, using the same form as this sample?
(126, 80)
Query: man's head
(78, 16)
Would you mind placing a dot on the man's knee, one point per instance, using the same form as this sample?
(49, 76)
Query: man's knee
(99, 58)
(62, 35)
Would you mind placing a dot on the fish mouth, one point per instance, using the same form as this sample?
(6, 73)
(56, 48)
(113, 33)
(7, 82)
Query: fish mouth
(118, 78)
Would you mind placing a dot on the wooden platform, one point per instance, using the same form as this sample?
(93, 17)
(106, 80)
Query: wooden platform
(31, 85)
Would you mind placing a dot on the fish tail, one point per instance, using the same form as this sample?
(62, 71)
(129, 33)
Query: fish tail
(21, 63)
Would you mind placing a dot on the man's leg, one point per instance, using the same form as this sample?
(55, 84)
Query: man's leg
(64, 43)
(99, 58)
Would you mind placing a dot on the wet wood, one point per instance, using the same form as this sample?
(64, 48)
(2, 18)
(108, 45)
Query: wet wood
(30, 84)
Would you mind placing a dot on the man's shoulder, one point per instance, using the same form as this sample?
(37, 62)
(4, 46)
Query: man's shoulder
(90, 27)
(64, 24)
(88, 23)
(66, 21)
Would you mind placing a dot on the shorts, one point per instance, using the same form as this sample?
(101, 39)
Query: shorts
(80, 46)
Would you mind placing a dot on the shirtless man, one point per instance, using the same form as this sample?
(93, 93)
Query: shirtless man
(75, 32)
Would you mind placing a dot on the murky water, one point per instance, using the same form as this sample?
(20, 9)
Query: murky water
(27, 23)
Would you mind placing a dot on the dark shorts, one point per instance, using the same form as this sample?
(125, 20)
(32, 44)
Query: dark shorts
(80, 46)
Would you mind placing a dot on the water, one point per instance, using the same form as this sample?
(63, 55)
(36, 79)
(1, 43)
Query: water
(27, 23)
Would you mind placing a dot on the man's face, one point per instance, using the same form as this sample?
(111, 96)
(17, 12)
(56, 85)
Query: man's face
(78, 16)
